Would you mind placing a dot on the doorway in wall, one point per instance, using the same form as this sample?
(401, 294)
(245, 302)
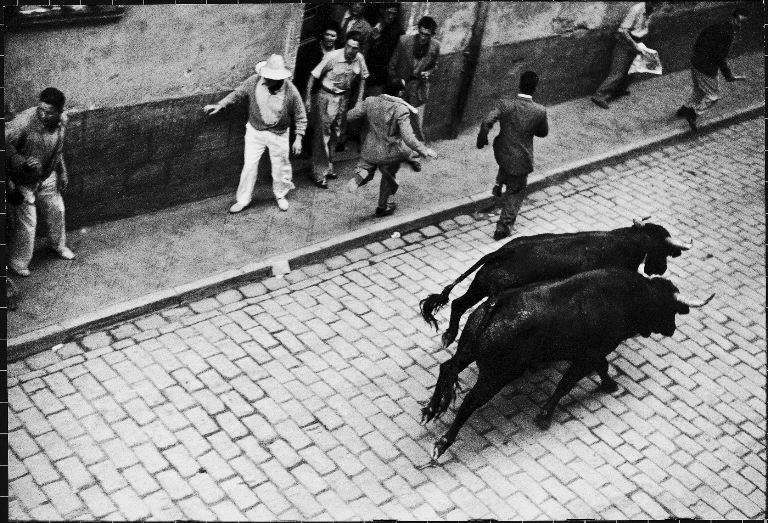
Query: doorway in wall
(316, 18)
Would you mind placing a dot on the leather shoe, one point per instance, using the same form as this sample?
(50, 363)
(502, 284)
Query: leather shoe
(386, 211)
(415, 165)
(682, 111)
(691, 119)
(331, 175)
(600, 102)
(320, 183)
(496, 191)
(500, 234)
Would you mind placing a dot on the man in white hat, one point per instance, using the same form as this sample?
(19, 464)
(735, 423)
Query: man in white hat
(273, 101)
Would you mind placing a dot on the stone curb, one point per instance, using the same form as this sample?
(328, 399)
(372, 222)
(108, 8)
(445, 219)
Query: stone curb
(42, 339)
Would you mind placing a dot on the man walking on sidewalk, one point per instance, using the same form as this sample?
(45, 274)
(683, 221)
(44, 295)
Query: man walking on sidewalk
(630, 34)
(709, 54)
(336, 74)
(273, 101)
(34, 142)
(388, 139)
(520, 120)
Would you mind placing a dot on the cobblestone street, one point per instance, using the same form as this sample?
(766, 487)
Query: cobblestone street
(299, 397)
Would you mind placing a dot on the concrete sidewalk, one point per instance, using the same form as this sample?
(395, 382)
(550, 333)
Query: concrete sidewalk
(131, 266)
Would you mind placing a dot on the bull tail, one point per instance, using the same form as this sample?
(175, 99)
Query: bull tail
(434, 302)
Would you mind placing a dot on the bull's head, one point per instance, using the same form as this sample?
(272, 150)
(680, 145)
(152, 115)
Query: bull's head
(658, 245)
(665, 304)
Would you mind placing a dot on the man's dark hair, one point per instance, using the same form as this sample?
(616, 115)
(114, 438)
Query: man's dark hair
(427, 22)
(528, 82)
(739, 12)
(353, 35)
(53, 96)
(331, 26)
(394, 86)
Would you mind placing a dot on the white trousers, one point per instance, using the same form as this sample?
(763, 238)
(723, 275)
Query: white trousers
(282, 172)
(44, 195)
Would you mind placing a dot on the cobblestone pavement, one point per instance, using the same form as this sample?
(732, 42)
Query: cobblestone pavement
(299, 398)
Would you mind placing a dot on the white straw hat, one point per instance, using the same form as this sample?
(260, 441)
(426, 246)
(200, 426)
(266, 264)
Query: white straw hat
(273, 68)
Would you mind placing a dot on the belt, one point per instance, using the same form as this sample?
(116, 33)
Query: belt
(324, 88)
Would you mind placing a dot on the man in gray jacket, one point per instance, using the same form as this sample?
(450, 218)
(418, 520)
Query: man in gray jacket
(520, 119)
(273, 101)
(388, 140)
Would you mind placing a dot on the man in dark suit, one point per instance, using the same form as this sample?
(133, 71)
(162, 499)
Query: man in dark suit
(710, 54)
(384, 38)
(520, 120)
(413, 61)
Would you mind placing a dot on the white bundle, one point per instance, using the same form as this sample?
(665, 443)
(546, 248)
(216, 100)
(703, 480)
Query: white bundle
(647, 61)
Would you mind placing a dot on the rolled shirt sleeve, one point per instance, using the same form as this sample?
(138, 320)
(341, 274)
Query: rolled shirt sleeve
(321, 68)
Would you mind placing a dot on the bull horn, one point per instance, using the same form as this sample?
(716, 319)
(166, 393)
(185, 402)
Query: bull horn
(679, 244)
(638, 222)
(692, 303)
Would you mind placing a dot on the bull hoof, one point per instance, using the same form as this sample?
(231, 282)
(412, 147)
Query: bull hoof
(440, 446)
(543, 421)
(426, 415)
(609, 385)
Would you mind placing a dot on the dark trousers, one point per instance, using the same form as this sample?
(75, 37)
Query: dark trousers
(388, 186)
(511, 200)
(617, 80)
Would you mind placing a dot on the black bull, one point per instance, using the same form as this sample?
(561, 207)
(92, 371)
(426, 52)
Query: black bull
(580, 319)
(542, 257)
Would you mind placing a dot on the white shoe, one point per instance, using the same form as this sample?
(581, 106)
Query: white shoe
(236, 208)
(352, 185)
(65, 253)
(282, 203)
(18, 270)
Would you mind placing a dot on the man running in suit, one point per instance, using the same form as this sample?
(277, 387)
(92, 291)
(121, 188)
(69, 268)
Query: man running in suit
(520, 120)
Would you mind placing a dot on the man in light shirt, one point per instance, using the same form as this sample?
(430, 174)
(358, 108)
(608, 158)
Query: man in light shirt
(273, 101)
(630, 34)
(34, 142)
(336, 73)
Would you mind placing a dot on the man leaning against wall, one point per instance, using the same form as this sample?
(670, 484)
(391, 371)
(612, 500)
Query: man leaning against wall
(34, 142)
